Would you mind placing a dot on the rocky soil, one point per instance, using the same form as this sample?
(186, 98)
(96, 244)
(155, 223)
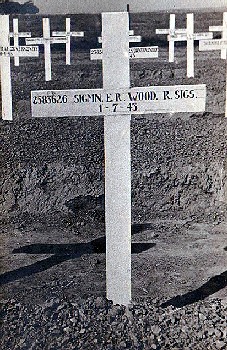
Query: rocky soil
(95, 323)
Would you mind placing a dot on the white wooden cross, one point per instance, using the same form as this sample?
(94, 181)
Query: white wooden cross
(222, 29)
(190, 37)
(172, 31)
(117, 101)
(7, 51)
(68, 35)
(16, 35)
(47, 40)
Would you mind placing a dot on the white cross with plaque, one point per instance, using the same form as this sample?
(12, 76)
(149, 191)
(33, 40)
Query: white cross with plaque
(7, 51)
(117, 101)
(172, 31)
(190, 37)
(223, 30)
(68, 34)
(16, 35)
(46, 40)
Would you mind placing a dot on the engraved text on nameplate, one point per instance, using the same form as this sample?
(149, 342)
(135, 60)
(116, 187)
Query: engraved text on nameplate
(12, 51)
(140, 100)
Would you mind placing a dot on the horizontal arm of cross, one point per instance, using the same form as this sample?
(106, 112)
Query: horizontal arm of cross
(185, 36)
(75, 34)
(42, 41)
(20, 35)
(132, 39)
(171, 31)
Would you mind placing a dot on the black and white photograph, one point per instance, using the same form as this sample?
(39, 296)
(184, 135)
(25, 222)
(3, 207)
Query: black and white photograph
(113, 202)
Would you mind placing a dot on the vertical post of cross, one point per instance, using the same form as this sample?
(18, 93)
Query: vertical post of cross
(6, 85)
(117, 161)
(190, 45)
(16, 39)
(68, 44)
(224, 35)
(46, 38)
(171, 42)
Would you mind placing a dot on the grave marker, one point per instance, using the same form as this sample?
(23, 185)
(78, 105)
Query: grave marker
(212, 45)
(172, 31)
(16, 35)
(190, 37)
(46, 40)
(68, 34)
(223, 30)
(116, 101)
(7, 51)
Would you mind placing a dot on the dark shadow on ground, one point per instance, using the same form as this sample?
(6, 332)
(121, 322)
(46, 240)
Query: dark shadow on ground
(210, 287)
(60, 253)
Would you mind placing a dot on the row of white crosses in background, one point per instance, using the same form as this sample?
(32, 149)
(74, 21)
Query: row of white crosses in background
(184, 34)
(218, 44)
(117, 101)
(46, 35)
(7, 51)
(57, 38)
(134, 52)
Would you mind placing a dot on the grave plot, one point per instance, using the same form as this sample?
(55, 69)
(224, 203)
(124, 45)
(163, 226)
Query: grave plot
(165, 155)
